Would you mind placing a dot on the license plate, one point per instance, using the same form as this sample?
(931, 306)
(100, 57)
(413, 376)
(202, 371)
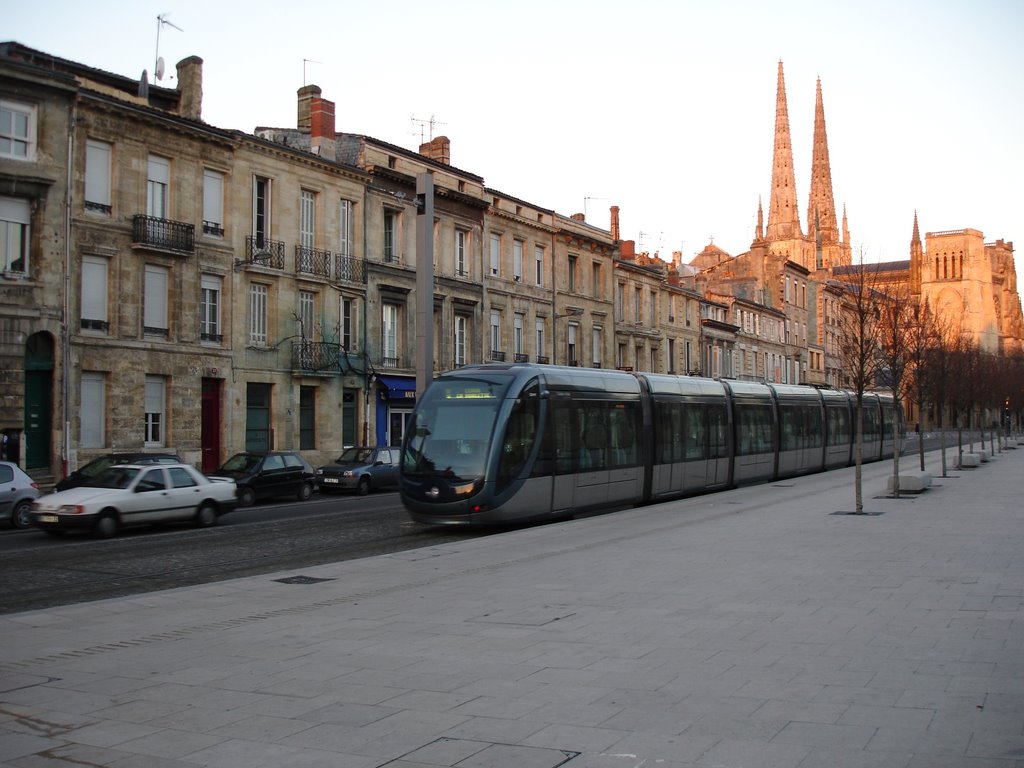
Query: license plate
(330, 479)
(48, 518)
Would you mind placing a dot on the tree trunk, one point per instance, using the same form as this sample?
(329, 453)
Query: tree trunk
(895, 449)
(858, 455)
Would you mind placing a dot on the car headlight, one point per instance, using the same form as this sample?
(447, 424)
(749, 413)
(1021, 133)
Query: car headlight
(71, 509)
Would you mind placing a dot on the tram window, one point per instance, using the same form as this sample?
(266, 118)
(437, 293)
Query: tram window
(870, 422)
(624, 432)
(592, 429)
(838, 425)
(718, 432)
(791, 436)
(754, 429)
(520, 433)
(562, 437)
(669, 418)
(696, 433)
(815, 436)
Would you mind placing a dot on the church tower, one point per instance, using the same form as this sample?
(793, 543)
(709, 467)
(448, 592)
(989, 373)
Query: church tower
(823, 227)
(783, 215)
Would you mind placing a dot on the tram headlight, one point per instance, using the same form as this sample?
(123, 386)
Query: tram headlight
(463, 489)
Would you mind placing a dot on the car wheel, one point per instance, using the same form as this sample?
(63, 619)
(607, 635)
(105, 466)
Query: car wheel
(364, 486)
(247, 497)
(106, 525)
(206, 515)
(22, 517)
(305, 491)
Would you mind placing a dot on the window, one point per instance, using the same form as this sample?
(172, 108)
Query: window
(307, 218)
(495, 331)
(155, 404)
(258, 314)
(180, 478)
(158, 181)
(306, 312)
(93, 410)
(460, 252)
(638, 304)
(495, 254)
(571, 343)
(97, 176)
(209, 308)
(154, 320)
(538, 257)
(213, 203)
(517, 334)
(517, 260)
(540, 337)
(390, 236)
(14, 235)
(460, 340)
(94, 293)
(572, 273)
(620, 301)
(597, 347)
(17, 130)
(261, 210)
(389, 335)
(345, 232)
(596, 287)
(653, 309)
(348, 324)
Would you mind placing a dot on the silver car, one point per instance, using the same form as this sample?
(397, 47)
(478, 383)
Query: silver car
(17, 492)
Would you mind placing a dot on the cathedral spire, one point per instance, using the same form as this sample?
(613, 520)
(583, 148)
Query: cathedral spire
(759, 232)
(821, 206)
(783, 215)
(916, 258)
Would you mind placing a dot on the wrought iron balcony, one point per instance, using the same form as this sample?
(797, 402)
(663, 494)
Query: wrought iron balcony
(316, 357)
(543, 359)
(521, 358)
(164, 234)
(349, 269)
(262, 252)
(311, 261)
(497, 356)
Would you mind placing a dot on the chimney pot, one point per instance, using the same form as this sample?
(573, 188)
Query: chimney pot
(306, 95)
(438, 149)
(190, 88)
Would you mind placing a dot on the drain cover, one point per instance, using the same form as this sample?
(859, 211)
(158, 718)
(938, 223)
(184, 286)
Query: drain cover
(301, 580)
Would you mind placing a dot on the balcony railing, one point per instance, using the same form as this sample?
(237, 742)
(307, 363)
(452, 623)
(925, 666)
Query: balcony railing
(311, 261)
(316, 356)
(263, 252)
(521, 358)
(543, 359)
(497, 356)
(165, 234)
(349, 269)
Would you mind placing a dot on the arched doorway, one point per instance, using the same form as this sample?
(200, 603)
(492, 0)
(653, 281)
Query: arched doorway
(38, 400)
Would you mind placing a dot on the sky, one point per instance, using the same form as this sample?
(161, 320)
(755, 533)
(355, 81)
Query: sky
(665, 109)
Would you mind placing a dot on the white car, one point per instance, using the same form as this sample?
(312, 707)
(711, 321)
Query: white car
(136, 494)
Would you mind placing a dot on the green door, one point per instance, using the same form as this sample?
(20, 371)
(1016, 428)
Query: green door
(38, 418)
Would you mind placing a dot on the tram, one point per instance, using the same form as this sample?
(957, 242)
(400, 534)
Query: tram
(521, 443)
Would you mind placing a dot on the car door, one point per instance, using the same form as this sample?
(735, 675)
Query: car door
(183, 495)
(386, 471)
(8, 490)
(273, 478)
(148, 499)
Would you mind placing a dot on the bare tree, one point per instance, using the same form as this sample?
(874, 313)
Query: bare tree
(922, 339)
(859, 347)
(896, 323)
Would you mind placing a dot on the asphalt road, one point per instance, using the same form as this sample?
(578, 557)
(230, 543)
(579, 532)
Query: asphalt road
(37, 571)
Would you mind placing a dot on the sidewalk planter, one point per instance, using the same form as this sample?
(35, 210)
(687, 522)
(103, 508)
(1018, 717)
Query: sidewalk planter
(912, 482)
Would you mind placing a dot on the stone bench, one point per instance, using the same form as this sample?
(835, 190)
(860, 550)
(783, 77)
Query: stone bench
(970, 460)
(912, 482)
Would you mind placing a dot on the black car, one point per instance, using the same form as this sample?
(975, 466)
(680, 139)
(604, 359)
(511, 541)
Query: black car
(86, 473)
(266, 474)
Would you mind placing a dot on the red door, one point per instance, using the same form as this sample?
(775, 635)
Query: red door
(210, 437)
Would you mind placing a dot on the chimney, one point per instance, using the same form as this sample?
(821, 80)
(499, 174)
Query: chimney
(306, 95)
(323, 139)
(578, 217)
(615, 222)
(627, 249)
(190, 88)
(438, 149)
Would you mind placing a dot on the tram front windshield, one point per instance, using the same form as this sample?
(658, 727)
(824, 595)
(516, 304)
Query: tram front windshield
(452, 427)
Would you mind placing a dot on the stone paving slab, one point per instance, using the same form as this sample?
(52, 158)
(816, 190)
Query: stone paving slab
(752, 628)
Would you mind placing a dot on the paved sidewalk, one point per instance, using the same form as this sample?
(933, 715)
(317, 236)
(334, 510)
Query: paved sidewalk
(748, 628)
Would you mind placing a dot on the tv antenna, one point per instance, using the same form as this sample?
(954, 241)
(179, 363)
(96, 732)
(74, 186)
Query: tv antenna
(304, 63)
(585, 199)
(158, 65)
(661, 236)
(427, 125)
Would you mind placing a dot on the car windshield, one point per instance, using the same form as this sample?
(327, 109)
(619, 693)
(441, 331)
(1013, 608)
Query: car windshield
(241, 462)
(96, 466)
(452, 427)
(114, 477)
(354, 456)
